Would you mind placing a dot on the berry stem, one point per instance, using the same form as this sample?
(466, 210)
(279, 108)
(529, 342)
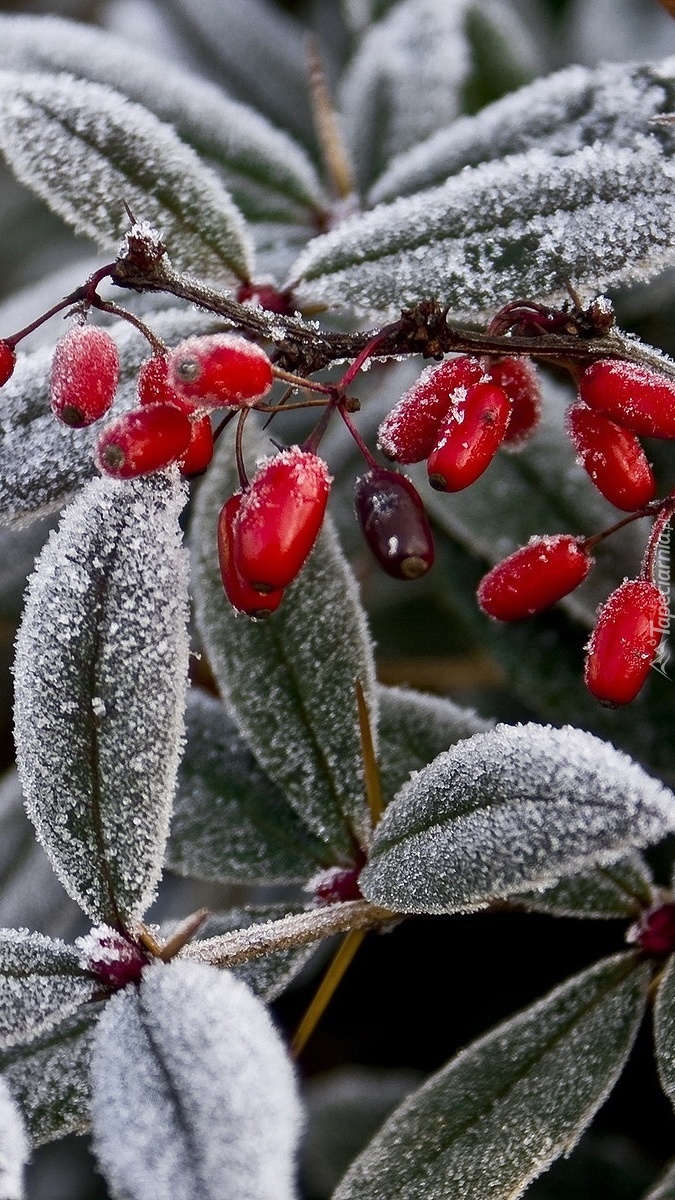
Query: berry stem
(239, 449)
(648, 568)
(109, 306)
(368, 350)
(356, 436)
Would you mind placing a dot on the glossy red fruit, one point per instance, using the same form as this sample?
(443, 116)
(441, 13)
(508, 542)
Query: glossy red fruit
(613, 458)
(518, 378)
(153, 386)
(144, 440)
(391, 514)
(200, 448)
(7, 362)
(636, 397)
(280, 518)
(219, 371)
(240, 593)
(84, 377)
(409, 432)
(625, 641)
(534, 577)
(469, 438)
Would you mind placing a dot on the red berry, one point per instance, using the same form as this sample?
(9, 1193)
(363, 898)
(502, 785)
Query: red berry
(636, 397)
(654, 933)
(200, 448)
(335, 885)
(144, 440)
(7, 362)
(469, 438)
(518, 378)
(85, 374)
(392, 517)
(280, 518)
(534, 577)
(409, 432)
(265, 295)
(153, 387)
(220, 370)
(613, 458)
(240, 593)
(112, 958)
(624, 643)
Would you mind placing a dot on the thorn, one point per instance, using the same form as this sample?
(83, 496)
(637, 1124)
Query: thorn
(370, 768)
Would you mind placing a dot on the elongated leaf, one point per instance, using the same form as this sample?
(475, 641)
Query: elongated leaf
(512, 1102)
(560, 114)
(49, 1078)
(521, 226)
(664, 1029)
(230, 822)
(620, 890)
(100, 677)
(289, 681)
(13, 1147)
(414, 728)
(30, 893)
(507, 811)
(41, 983)
(257, 160)
(42, 462)
(192, 1092)
(85, 149)
(664, 1188)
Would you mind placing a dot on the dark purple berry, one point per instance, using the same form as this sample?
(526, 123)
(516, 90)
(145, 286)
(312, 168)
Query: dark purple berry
(392, 517)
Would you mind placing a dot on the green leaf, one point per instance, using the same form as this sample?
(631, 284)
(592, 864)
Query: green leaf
(100, 673)
(269, 175)
(500, 1113)
(414, 728)
(85, 150)
(620, 890)
(289, 681)
(511, 810)
(664, 1188)
(41, 984)
(230, 822)
(521, 226)
(664, 1029)
(49, 1079)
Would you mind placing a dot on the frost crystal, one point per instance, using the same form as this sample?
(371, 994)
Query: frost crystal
(41, 983)
(14, 1149)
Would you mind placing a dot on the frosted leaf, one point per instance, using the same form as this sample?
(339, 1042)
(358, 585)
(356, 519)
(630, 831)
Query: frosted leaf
(602, 216)
(230, 822)
(41, 983)
(269, 975)
(418, 50)
(30, 893)
(664, 1029)
(192, 1091)
(622, 889)
(84, 149)
(414, 728)
(261, 56)
(511, 1103)
(507, 811)
(105, 617)
(560, 114)
(540, 488)
(602, 30)
(256, 159)
(345, 1107)
(289, 681)
(14, 1149)
(664, 1188)
(42, 462)
(49, 1078)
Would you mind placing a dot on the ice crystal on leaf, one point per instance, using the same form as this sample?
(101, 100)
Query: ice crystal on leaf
(41, 983)
(13, 1147)
(105, 618)
(511, 810)
(192, 1092)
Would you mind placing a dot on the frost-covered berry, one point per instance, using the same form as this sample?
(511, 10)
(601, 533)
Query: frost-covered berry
(625, 641)
(534, 577)
(409, 432)
(613, 458)
(220, 370)
(153, 385)
(84, 375)
(280, 517)
(241, 595)
(518, 378)
(114, 959)
(634, 396)
(144, 440)
(394, 524)
(7, 362)
(468, 438)
(654, 933)
(200, 448)
(337, 884)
